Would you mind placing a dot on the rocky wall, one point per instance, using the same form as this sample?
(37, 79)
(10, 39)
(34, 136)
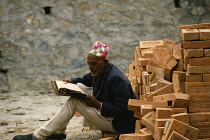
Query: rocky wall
(44, 40)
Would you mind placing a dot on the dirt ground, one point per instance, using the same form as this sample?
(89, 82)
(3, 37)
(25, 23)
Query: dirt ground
(22, 113)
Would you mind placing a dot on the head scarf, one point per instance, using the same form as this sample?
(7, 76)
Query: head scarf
(100, 50)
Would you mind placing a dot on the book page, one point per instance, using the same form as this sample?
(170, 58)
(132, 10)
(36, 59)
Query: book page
(69, 86)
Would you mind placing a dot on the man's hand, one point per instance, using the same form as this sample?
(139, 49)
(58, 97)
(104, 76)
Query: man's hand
(92, 102)
(67, 81)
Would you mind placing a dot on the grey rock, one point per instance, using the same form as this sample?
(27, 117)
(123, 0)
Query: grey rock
(19, 113)
(198, 11)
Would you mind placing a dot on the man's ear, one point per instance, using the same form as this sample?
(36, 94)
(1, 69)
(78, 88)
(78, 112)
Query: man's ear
(106, 61)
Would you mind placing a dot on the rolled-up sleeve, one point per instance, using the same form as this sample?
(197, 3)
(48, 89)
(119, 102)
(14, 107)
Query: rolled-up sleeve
(86, 80)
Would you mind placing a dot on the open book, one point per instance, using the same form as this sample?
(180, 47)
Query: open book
(67, 89)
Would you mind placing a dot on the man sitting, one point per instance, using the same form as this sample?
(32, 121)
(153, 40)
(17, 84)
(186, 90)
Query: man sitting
(106, 110)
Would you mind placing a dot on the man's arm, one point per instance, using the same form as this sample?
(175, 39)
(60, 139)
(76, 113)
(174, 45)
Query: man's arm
(86, 80)
(67, 81)
(91, 101)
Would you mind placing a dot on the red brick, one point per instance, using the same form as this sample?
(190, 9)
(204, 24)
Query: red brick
(179, 100)
(146, 131)
(203, 61)
(160, 54)
(178, 80)
(161, 83)
(139, 80)
(194, 77)
(179, 110)
(197, 87)
(199, 106)
(194, 26)
(160, 122)
(108, 135)
(198, 69)
(147, 53)
(150, 68)
(159, 104)
(152, 87)
(173, 96)
(177, 50)
(180, 66)
(150, 44)
(183, 117)
(169, 68)
(196, 44)
(138, 126)
(134, 104)
(192, 133)
(159, 73)
(176, 136)
(168, 41)
(138, 52)
(133, 80)
(200, 121)
(135, 136)
(165, 90)
(204, 34)
(177, 126)
(163, 113)
(145, 109)
(170, 62)
(142, 61)
(145, 78)
(108, 138)
(159, 133)
(153, 78)
(206, 77)
(194, 52)
(137, 73)
(137, 114)
(206, 52)
(190, 34)
(180, 103)
(158, 98)
(186, 62)
(148, 120)
(199, 96)
(168, 74)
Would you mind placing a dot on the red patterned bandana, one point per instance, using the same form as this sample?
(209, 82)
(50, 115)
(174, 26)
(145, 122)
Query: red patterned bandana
(100, 50)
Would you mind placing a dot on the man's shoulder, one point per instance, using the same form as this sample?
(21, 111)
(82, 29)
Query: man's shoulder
(116, 72)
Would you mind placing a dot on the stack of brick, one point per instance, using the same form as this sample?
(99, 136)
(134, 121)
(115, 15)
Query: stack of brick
(153, 66)
(195, 41)
(162, 100)
(172, 84)
(164, 118)
(154, 60)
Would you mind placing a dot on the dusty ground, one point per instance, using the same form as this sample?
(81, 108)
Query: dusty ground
(22, 113)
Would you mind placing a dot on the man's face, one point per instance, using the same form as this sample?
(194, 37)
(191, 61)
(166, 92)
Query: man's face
(96, 64)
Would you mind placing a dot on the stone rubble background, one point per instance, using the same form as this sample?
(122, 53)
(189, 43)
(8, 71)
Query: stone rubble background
(37, 47)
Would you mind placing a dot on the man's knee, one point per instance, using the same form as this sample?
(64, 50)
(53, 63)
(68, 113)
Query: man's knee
(74, 101)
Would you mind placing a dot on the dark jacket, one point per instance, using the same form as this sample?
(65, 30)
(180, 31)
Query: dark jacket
(117, 91)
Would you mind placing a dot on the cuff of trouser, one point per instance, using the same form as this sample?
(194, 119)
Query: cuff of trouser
(34, 138)
(100, 107)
